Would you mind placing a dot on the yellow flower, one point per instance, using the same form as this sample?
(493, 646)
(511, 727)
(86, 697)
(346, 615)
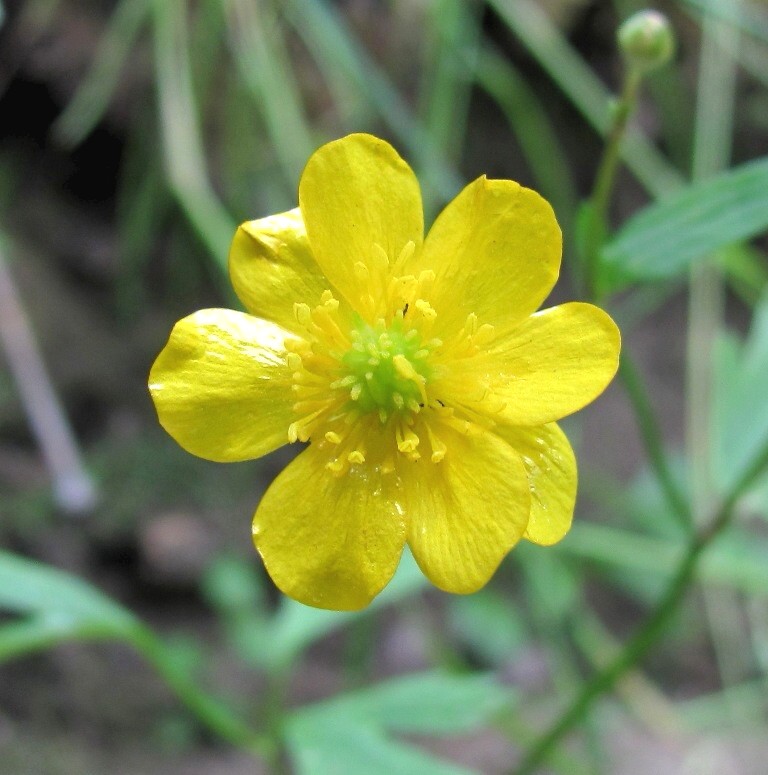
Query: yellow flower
(418, 370)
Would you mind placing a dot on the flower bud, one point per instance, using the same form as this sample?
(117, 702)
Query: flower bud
(646, 40)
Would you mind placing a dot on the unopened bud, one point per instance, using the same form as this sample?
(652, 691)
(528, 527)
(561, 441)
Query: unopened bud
(646, 40)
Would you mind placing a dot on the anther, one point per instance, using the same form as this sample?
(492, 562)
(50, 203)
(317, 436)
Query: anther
(302, 313)
(335, 466)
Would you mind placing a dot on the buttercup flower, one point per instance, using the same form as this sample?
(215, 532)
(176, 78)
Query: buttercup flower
(418, 370)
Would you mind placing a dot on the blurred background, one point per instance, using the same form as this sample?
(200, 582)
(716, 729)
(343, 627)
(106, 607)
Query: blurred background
(134, 136)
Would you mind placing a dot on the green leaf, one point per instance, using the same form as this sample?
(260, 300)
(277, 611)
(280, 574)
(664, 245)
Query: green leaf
(736, 561)
(489, 623)
(329, 748)
(348, 733)
(295, 626)
(97, 88)
(31, 587)
(424, 704)
(57, 606)
(664, 239)
(324, 30)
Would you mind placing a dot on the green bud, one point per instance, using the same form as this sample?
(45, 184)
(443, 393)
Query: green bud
(646, 40)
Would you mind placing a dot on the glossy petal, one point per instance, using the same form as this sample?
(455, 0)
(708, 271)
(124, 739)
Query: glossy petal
(327, 541)
(551, 467)
(466, 512)
(272, 267)
(550, 366)
(495, 250)
(354, 193)
(221, 386)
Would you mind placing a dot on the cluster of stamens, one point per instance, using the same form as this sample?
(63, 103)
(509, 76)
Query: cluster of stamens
(358, 378)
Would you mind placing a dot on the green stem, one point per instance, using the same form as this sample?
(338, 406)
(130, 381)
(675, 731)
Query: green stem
(649, 633)
(652, 439)
(600, 199)
(606, 173)
(712, 143)
(211, 712)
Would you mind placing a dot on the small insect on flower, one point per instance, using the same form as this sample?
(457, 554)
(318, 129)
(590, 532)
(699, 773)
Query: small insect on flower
(418, 370)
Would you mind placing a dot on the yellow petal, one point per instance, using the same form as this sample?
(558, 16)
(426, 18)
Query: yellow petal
(221, 385)
(551, 468)
(356, 193)
(466, 512)
(272, 267)
(495, 250)
(327, 541)
(550, 366)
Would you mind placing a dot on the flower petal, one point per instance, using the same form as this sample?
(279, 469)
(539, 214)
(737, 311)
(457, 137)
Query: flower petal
(466, 512)
(355, 193)
(550, 366)
(221, 385)
(495, 250)
(551, 467)
(327, 541)
(272, 267)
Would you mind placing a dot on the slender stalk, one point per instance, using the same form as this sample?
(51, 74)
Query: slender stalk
(606, 173)
(529, 21)
(182, 141)
(650, 631)
(711, 153)
(597, 217)
(73, 487)
(652, 439)
(599, 202)
(211, 712)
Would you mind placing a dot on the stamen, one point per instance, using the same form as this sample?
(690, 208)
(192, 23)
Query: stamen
(439, 448)
(302, 313)
(405, 255)
(375, 375)
(380, 258)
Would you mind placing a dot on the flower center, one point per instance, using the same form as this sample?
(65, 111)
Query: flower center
(366, 385)
(387, 368)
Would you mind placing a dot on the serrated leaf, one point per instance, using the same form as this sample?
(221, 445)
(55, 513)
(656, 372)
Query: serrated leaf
(664, 239)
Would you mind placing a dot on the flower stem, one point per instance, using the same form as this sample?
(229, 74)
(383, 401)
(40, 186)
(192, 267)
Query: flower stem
(599, 201)
(597, 215)
(652, 440)
(654, 625)
(712, 143)
(211, 712)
